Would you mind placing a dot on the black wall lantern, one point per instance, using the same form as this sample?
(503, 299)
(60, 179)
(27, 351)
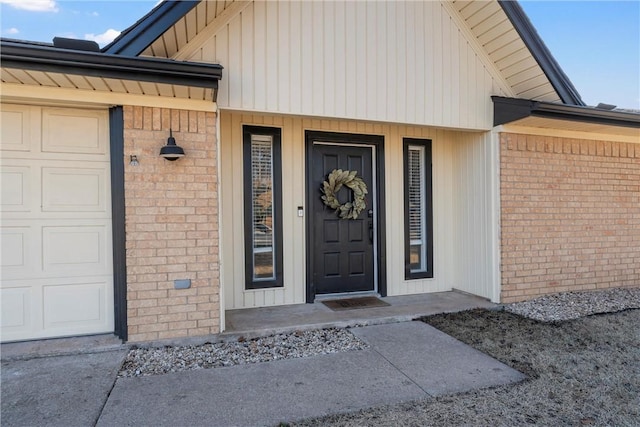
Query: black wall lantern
(171, 151)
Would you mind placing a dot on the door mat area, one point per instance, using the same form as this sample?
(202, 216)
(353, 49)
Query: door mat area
(354, 303)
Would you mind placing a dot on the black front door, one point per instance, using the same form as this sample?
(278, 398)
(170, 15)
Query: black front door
(341, 256)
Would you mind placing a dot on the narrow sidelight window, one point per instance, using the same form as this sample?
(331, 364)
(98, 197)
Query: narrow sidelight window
(262, 207)
(418, 252)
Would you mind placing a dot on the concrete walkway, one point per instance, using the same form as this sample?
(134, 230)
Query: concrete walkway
(405, 361)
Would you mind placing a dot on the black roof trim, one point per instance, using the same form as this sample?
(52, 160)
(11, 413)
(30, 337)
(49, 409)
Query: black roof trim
(138, 37)
(47, 58)
(506, 110)
(559, 80)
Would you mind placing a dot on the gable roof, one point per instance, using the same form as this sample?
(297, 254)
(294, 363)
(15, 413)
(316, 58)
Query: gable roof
(501, 27)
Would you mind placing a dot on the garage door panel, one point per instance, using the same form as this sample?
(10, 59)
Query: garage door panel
(16, 247)
(76, 250)
(75, 189)
(15, 132)
(74, 306)
(15, 184)
(16, 310)
(71, 131)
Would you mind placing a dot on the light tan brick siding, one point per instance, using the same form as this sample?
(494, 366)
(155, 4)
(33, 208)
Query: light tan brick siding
(171, 225)
(570, 215)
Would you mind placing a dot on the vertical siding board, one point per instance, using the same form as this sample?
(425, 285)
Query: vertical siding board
(246, 69)
(428, 116)
(233, 65)
(361, 60)
(350, 53)
(464, 88)
(295, 64)
(393, 165)
(410, 31)
(420, 70)
(480, 85)
(209, 51)
(284, 56)
(339, 76)
(454, 96)
(488, 104)
(328, 62)
(317, 57)
(380, 93)
(271, 66)
(289, 176)
(471, 82)
(401, 59)
(260, 65)
(307, 76)
(437, 65)
(446, 66)
(372, 42)
(237, 204)
(297, 292)
(392, 61)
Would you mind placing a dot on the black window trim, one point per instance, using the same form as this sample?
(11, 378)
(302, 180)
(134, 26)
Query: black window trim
(426, 143)
(276, 134)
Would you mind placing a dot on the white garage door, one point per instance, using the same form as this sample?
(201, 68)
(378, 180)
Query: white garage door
(56, 259)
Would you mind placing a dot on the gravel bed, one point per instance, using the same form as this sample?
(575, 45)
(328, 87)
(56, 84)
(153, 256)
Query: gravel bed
(155, 361)
(574, 305)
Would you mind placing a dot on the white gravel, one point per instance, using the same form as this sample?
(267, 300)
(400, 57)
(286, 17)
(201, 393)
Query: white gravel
(573, 305)
(155, 361)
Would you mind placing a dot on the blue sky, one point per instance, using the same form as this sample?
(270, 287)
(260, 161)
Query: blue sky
(597, 43)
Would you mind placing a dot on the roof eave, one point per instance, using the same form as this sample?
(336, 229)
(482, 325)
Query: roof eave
(507, 110)
(137, 38)
(50, 59)
(558, 79)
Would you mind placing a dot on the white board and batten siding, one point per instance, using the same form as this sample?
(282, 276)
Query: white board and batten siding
(462, 180)
(401, 62)
(56, 254)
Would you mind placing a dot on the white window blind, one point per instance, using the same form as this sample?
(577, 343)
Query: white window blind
(417, 207)
(262, 207)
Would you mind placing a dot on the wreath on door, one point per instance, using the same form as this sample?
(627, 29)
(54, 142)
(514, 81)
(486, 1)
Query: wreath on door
(330, 188)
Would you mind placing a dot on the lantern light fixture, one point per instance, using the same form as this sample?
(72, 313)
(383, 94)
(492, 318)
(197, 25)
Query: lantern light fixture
(171, 151)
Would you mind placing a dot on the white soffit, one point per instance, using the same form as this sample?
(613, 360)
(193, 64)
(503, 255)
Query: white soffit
(101, 84)
(503, 45)
(576, 126)
(189, 26)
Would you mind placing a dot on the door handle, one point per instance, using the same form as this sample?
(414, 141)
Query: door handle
(370, 215)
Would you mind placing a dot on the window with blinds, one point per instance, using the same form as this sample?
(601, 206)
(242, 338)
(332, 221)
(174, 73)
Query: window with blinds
(418, 222)
(417, 244)
(263, 231)
(262, 206)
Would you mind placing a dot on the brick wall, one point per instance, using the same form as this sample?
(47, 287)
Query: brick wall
(570, 215)
(171, 225)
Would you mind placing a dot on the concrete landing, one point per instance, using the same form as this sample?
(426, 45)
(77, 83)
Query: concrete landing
(253, 322)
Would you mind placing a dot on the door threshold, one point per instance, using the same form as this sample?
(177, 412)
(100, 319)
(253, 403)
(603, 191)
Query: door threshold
(345, 295)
